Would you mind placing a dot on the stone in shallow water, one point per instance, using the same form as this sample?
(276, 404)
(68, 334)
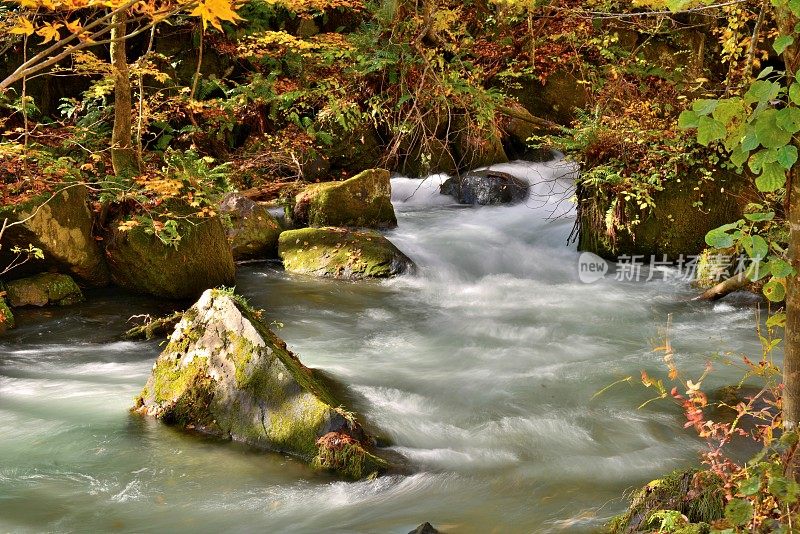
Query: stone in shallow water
(43, 289)
(486, 187)
(341, 253)
(253, 231)
(364, 200)
(224, 372)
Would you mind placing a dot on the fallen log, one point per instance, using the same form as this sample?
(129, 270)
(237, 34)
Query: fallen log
(153, 327)
(735, 283)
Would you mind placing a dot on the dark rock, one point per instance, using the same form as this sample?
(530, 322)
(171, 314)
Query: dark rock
(486, 187)
(424, 528)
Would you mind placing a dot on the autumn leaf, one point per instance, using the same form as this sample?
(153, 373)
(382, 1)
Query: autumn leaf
(49, 32)
(214, 12)
(22, 27)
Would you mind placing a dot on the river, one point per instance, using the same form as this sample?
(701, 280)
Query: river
(481, 369)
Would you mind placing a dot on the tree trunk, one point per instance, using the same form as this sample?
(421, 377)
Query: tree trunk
(123, 154)
(791, 360)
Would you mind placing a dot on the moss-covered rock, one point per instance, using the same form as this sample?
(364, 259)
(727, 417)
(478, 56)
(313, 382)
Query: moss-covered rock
(364, 200)
(202, 259)
(7, 321)
(556, 99)
(432, 157)
(60, 224)
(353, 150)
(341, 253)
(252, 231)
(684, 212)
(696, 494)
(224, 372)
(43, 289)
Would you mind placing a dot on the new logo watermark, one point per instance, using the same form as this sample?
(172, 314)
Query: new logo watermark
(591, 267)
(640, 268)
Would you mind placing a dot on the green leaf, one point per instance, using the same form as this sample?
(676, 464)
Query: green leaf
(719, 238)
(760, 158)
(749, 141)
(762, 91)
(750, 486)
(727, 109)
(772, 177)
(780, 268)
(759, 217)
(709, 130)
(704, 106)
(788, 119)
(688, 119)
(738, 156)
(755, 246)
(768, 132)
(764, 73)
(738, 512)
(784, 489)
(774, 290)
(787, 156)
(794, 93)
(794, 7)
(782, 43)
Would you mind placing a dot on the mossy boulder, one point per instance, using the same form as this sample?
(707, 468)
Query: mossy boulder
(341, 253)
(684, 212)
(7, 321)
(354, 149)
(43, 289)
(142, 263)
(696, 494)
(556, 99)
(224, 372)
(252, 231)
(60, 224)
(430, 157)
(364, 200)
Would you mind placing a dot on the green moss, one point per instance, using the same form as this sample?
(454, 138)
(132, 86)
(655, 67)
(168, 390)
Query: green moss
(340, 253)
(347, 457)
(44, 288)
(295, 424)
(171, 377)
(364, 200)
(672, 493)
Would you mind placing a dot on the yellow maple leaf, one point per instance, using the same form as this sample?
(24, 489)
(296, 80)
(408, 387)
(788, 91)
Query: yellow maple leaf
(22, 27)
(214, 12)
(49, 32)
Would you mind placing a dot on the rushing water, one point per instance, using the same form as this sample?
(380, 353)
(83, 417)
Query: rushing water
(481, 369)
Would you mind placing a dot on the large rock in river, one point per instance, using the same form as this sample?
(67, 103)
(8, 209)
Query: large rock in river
(224, 372)
(60, 224)
(252, 231)
(341, 253)
(43, 289)
(486, 187)
(202, 259)
(363, 200)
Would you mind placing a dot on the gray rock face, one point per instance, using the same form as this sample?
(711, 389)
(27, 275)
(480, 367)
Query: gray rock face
(253, 231)
(43, 289)
(487, 187)
(224, 372)
(62, 227)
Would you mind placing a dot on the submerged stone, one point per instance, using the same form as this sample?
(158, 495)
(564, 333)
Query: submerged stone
(43, 289)
(364, 200)
(486, 187)
(253, 231)
(341, 253)
(224, 372)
